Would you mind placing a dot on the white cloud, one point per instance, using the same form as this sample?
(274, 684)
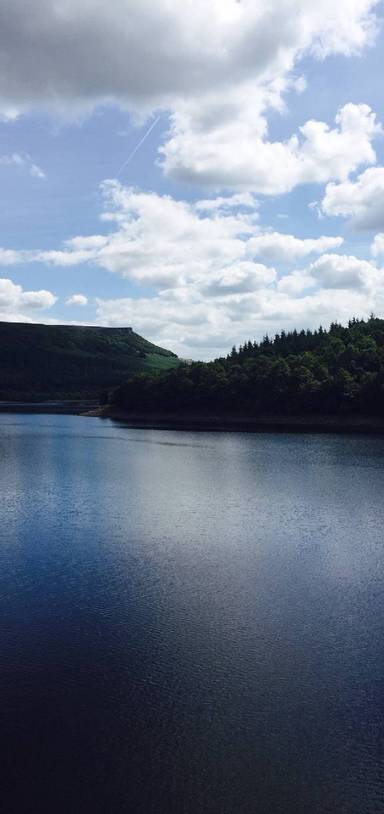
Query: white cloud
(361, 200)
(377, 247)
(37, 300)
(241, 199)
(300, 84)
(61, 257)
(231, 149)
(9, 115)
(345, 271)
(222, 295)
(211, 272)
(148, 52)
(24, 161)
(17, 305)
(277, 247)
(36, 171)
(248, 300)
(12, 257)
(86, 243)
(237, 279)
(160, 241)
(295, 283)
(77, 299)
(217, 80)
(165, 243)
(200, 327)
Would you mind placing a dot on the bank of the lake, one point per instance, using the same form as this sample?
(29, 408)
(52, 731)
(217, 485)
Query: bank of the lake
(68, 407)
(226, 423)
(200, 423)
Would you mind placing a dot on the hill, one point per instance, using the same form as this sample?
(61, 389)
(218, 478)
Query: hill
(339, 371)
(40, 362)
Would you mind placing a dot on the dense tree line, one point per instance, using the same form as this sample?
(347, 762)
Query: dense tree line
(340, 370)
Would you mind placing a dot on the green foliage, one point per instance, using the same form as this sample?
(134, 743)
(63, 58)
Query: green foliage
(38, 362)
(339, 371)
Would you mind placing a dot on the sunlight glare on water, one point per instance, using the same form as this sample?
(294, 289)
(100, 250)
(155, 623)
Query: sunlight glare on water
(190, 622)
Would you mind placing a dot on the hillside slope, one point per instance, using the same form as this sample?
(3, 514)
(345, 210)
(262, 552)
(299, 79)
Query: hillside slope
(64, 361)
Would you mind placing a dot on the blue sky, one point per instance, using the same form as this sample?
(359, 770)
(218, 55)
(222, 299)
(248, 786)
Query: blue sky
(255, 203)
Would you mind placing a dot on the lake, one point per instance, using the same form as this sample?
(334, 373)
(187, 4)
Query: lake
(191, 623)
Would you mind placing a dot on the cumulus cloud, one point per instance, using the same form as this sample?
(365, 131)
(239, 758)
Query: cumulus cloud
(77, 299)
(334, 272)
(277, 247)
(206, 314)
(296, 283)
(345, 271)
(231, 149)
(218, 81)
(227, 295)
(360, 200)
(213, 273)
(237, 279)
(149, 52)
(203, 327)
(17, 305)
(159, 241)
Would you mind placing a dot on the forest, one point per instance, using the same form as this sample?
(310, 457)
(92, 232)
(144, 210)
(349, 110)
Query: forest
(334, 371)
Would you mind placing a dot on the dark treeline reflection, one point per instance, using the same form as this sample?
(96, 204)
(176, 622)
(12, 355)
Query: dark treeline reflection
(336, 371)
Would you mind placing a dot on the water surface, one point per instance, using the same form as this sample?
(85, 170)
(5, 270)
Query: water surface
(190, 623)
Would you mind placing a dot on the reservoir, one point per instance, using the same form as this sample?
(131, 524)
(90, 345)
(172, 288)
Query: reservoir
(190, 623)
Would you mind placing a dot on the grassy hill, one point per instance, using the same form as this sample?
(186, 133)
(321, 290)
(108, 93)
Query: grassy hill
(40, 362)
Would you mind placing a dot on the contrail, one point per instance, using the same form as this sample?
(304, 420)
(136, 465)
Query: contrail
(142, 140)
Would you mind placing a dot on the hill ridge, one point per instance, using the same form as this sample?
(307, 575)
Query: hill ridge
(39, 361)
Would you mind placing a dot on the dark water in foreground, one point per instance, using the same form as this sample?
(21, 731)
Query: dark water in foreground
(190, 622)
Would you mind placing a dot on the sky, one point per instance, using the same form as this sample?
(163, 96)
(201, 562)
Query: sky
(205, 172)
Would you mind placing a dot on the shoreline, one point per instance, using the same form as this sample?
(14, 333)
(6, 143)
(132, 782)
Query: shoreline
(69, 407)
(367, 425)
(271, 423)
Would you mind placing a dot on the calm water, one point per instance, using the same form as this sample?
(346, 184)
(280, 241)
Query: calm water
(191, 623)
